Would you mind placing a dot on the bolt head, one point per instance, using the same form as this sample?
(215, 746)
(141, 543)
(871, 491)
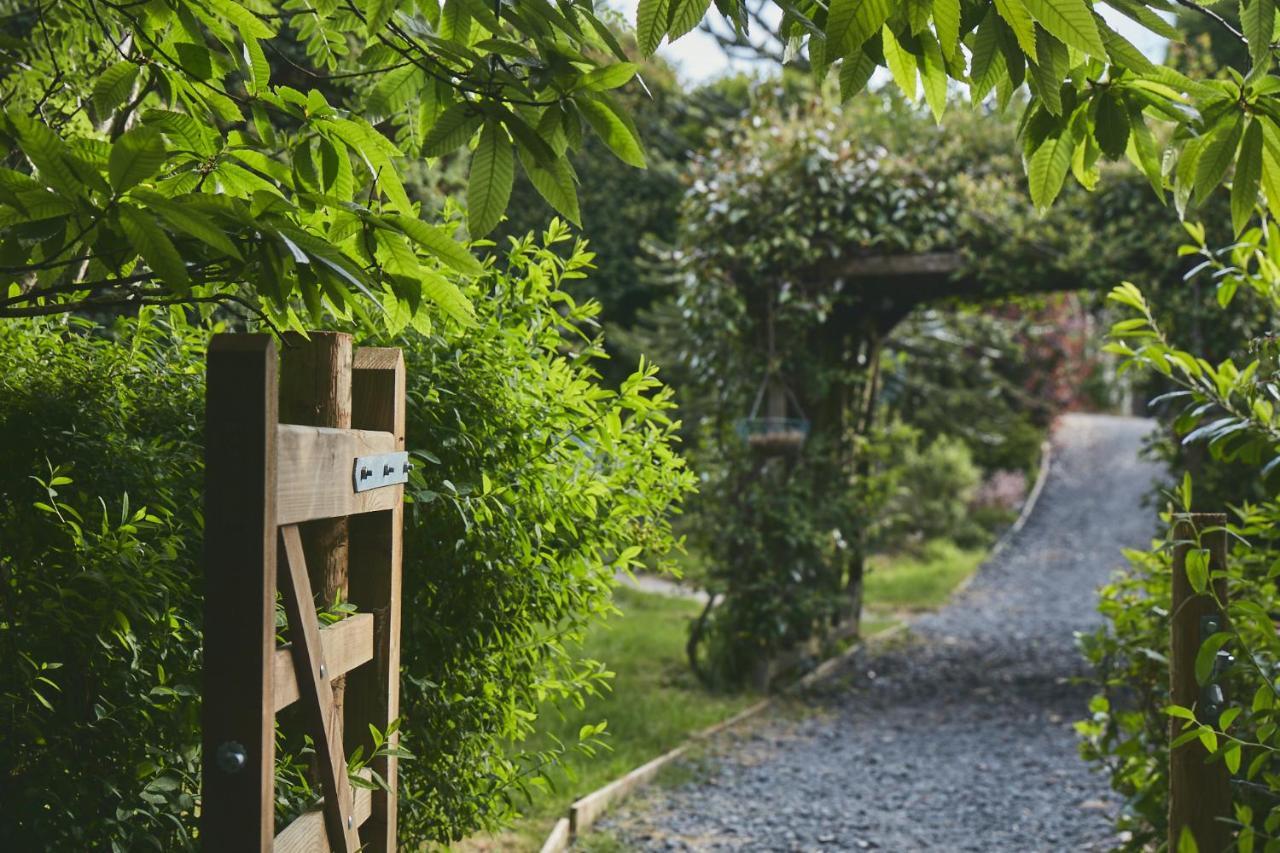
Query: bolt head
(365, 473)
(231, 757)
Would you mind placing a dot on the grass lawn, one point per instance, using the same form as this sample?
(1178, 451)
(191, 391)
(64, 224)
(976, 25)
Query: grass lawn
(655, 704)
(922, 580)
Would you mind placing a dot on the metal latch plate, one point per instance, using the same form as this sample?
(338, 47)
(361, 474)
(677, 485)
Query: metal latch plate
(381, 470)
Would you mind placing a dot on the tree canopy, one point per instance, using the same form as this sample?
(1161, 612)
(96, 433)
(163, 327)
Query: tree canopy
(253, 153)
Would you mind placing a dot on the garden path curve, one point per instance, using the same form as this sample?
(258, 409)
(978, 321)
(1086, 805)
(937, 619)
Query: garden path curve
(958, 738)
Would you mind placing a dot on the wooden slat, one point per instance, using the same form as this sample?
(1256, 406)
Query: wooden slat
(347, 644)
(324, 726)
(307, 834)
(237, 811)
(373, 691)
(314, 477)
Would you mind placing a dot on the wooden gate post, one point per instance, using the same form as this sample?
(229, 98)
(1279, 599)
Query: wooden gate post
(267, 484)
(373, 693)
(1199, 790)
(238, 772)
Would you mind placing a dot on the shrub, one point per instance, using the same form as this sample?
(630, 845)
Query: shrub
(539, 483)
(938, 482)
(99, 585)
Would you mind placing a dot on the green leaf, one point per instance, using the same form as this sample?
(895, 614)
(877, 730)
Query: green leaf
(1048, 168)
(1187, 842)
(554, 181)
(855, 72)
(608, 123)
(1147, 150)
(934, 74)
(1271, 168)
(113, 87)
(1015, 14)
(1049, 70)
(396, 90)
(135, 156)
(492, 174)
(946, 21)
(1217, 154)
(988, 63)
(1071, 21)
(652, 17)
(1258, 22)
(1206, 655)
(155, 247)
(1122, 51)
(378, 14)
(902, 65)
(610, 76)
(685, 15)
(1197, 568)
(47, 153)
(1111, 125)
(446, 294)
(453, 129)
(256, 65)
(851, 22)
(243, 20)
(1231, 752)
(189, 220)
(1248, 176)
(439, 242)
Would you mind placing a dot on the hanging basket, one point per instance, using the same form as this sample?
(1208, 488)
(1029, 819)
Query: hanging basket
(774, 436)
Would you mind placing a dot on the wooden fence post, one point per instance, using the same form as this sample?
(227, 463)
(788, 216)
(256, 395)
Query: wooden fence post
(373, 695)
(1199, 790)
(238, 774)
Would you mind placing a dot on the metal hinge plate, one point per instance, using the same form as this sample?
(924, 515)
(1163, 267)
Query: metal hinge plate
(384, 469)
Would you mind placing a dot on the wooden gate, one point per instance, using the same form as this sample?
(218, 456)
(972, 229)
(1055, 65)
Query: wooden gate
(279, 495)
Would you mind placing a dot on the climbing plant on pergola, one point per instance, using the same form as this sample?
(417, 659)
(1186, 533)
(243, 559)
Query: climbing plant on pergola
(808, 237)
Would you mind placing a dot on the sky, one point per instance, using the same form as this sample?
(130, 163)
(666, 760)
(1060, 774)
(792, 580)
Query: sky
(700, 59)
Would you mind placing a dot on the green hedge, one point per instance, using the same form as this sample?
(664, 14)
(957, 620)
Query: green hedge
(533, 484)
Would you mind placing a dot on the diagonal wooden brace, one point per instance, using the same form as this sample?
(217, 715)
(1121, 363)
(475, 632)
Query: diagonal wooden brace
(317, 694)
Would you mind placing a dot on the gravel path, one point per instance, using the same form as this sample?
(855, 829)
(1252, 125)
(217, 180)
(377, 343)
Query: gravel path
(958, 738)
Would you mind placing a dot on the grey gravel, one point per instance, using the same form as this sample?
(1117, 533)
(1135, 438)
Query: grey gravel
(959, 738)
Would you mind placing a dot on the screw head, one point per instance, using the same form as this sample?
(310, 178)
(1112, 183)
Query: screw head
(349, 821)
(231, 757)
(324, 671)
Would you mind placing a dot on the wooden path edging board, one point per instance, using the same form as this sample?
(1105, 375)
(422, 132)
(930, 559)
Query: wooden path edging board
(559, 838)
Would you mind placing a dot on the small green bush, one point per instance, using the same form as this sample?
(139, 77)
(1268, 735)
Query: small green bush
(937, 482)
